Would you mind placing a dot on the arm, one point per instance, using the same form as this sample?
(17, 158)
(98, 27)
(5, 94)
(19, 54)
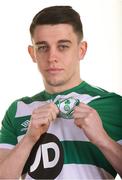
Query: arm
(113, 153)
(13, 161)
(88, 119)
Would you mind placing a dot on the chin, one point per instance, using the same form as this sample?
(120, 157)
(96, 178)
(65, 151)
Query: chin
(55, 83)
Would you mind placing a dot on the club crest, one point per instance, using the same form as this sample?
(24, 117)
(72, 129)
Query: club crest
(66, 106)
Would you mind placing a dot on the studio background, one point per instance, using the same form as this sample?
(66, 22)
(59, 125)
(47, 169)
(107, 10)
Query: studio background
(101, 66)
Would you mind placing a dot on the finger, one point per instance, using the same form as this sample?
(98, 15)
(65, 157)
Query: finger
(42, 121)
(82, 105)
(53, 115)
(48, 107)
(50, 114)
(54, 109)
(78, 122)
(36, 124)
(42, 117)
(79, 115)
(81, 109)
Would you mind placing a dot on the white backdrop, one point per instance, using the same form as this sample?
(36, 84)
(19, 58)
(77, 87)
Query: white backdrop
(102, 29)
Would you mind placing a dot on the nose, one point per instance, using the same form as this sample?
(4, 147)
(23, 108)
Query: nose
(53, 55)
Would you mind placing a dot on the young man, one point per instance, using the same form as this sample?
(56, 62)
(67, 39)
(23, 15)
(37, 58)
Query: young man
(71, 130)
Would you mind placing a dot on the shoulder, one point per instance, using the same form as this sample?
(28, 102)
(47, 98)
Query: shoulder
(37, 97)
(95, 90)
(107, 100)
(25, 100)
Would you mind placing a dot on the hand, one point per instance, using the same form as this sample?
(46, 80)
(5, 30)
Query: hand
(89, 120)
(40, 120)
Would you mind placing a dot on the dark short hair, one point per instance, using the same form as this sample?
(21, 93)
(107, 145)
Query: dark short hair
(58, 15)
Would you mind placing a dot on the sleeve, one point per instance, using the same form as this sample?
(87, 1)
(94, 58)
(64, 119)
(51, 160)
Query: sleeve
(8, 137)
(109, 109)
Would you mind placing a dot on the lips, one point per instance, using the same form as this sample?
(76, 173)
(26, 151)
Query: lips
(54, 70)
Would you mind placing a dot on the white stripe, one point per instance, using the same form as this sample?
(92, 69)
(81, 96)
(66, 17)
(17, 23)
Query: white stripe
(26, 109)
(73, 171)
(6, 146)
(96, 87)
(65, 129)
(19, 138)
(78, 172)
(28, 177)
(120, 142)
(85, 98)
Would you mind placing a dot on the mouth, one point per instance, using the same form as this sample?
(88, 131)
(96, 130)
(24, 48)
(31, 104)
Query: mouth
(54, 70)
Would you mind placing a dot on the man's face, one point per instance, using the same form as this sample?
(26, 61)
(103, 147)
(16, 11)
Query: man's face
(57, 52)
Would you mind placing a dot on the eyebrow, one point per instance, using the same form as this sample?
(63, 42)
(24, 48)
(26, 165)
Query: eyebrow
(40, 42)
(64, 41)
(60, 41)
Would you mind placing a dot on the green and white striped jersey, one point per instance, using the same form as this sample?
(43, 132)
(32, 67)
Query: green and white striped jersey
(64, 152)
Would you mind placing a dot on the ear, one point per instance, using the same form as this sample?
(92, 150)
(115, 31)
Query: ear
(31, 51)
(83, 49)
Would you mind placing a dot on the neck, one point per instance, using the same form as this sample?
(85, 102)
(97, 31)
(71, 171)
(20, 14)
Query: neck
(52, 89)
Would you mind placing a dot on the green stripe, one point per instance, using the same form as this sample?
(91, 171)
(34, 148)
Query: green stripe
(18, 124)
(22, 119)
(79, 152)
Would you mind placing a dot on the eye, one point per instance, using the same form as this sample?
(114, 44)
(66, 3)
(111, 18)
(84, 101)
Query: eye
(42, 48)
(63, 47)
